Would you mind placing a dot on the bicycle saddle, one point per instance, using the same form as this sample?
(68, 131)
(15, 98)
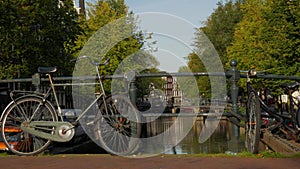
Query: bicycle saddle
(47, 69)
(290, 86)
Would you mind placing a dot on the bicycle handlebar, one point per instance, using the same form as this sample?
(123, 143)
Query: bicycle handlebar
(254, 73)
(91, 61)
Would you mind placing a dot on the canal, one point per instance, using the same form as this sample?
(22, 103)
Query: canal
(221, 140)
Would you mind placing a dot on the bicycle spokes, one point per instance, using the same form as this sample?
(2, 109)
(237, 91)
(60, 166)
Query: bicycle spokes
(117, 128)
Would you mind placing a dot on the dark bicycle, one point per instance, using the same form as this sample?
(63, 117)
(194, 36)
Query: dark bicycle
(260, 115)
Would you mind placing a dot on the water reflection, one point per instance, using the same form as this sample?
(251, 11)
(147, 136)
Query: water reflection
(222, 139)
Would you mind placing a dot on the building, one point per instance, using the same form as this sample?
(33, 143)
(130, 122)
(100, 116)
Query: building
(173, 95)
(79, 5)
(77, 8)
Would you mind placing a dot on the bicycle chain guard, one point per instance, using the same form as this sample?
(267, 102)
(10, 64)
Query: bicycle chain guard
(61, 131)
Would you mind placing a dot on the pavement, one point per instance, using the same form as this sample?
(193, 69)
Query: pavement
(96, 161)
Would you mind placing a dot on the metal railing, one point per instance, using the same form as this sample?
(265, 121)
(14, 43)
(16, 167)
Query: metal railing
(65, 93)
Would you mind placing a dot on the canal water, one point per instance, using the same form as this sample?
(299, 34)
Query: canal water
(223, 139)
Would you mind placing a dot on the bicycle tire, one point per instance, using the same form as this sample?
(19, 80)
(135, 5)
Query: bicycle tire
(20, 112)
(298, 118)
(253, 123)
(118, 129)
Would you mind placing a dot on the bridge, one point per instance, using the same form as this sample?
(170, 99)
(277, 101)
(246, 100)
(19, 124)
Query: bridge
(232, 114)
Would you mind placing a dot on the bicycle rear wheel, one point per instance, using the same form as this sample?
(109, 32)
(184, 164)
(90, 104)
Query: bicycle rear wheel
(253, 123)
(23, 111)
(117, 126)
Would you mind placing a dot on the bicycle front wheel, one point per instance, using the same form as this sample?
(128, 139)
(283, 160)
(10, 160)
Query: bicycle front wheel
(23, 111)
(253, 123)
(117, 126)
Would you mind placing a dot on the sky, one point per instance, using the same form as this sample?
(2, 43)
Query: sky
(171, 51)
(195, 11)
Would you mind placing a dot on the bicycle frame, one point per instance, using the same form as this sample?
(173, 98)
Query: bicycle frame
(36, 117)
(53, 91)
(279, 117)
(61, 126)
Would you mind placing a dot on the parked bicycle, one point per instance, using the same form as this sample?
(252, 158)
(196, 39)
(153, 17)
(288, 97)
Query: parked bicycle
(116, 125)
(262, 116)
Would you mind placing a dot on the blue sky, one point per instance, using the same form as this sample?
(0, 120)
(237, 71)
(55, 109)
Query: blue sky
(171, 53)
(195, 11)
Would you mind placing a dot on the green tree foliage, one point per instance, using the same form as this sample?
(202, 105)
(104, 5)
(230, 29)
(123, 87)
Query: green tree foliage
(218, 30)
(106, 29)
(220, 26)
(195, 64)
(36, 33)
(247, 47)
(143, 84)
(188, 86)
(110, 32)
(99, 14)
(268, 38)
(281, 36)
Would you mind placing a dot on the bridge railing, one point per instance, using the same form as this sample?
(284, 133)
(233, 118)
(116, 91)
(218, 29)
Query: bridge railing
(65, 85)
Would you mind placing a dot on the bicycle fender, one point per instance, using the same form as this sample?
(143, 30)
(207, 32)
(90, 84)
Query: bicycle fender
(14, 102)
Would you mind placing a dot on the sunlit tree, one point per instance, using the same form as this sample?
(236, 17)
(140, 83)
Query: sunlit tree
(36, 33)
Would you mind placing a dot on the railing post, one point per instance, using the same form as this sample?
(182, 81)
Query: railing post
(36, 81)
(132, 92)
(234, 90)
(132, 87)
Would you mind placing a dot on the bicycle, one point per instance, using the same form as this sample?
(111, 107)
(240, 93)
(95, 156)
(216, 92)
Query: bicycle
(116, 125)
(257, 121)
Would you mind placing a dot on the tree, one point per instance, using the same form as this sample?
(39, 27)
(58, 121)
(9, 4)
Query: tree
(36, 33)
(247, 46)
(99, 14)
(195, 64)
(110, 32)
(218, 30)
(281, 37)
(220, 26)
(143, 84)
(268, 38)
